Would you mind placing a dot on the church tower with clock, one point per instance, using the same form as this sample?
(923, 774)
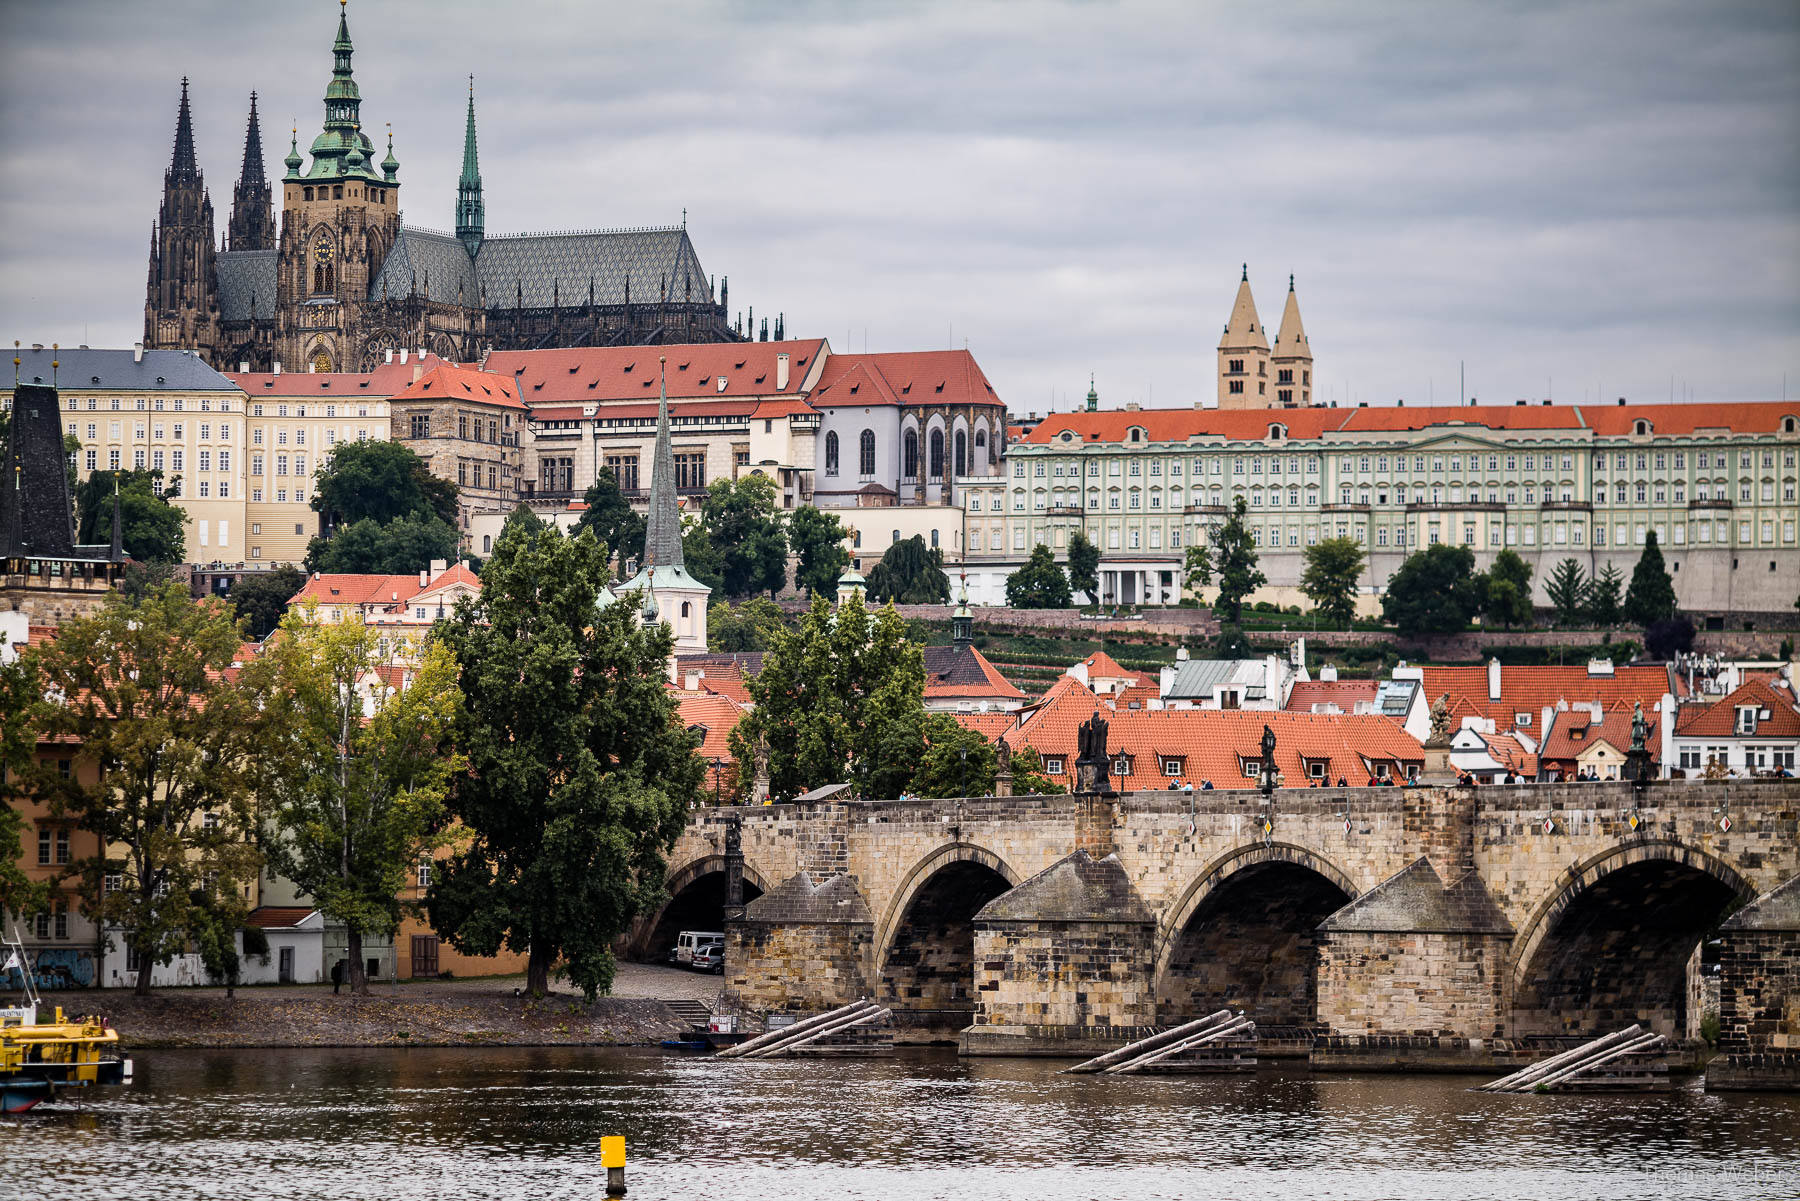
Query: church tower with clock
(339, 219)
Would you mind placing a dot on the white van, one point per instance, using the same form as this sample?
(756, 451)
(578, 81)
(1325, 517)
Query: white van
(691, 941)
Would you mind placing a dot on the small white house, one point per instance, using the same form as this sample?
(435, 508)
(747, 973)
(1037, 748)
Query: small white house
(296, 955)
(1753, 730)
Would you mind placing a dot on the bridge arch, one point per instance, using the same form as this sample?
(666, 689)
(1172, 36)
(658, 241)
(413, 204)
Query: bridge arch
(696, 902)
(1240, 935)
(1612, 942)
(925, 942)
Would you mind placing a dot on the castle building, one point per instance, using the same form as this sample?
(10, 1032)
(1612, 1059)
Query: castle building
(343, 279)
(1252, 373)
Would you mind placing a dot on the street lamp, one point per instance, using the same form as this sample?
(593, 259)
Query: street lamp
(964, 754)
(718, 766)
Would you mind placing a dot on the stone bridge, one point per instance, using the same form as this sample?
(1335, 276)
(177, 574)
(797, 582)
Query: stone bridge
(1438, 919)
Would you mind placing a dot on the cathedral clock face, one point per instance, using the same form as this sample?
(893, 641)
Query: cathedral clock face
(322, 252)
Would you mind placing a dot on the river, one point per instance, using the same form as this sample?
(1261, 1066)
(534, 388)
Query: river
(526, 1124)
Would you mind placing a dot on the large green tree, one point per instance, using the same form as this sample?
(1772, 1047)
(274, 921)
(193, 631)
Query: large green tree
(840, 697)
(746, 626)
(1197, 567)
(818, 541)
(260, 598)
(21, 699)
(1333, 568)
(1506, 590)
(1084, 566)
(703, 559)
(1234, 559)
(403, 545)
(1029, 777)
(353, 771)
(745, 524)
(148, 694)
(958, 762)
(1651, 597)
(909, 573)
(611, 517)
(149, 525)
(1039, 584)
(1434, 592)
(1567, 589)
(1604, 596)
(580, 775)
(381, 481)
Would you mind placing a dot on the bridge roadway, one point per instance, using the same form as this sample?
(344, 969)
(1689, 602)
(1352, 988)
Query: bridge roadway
(1436, 919)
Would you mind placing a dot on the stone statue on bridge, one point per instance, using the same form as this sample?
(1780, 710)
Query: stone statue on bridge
(1440, 721)
(1091, 765)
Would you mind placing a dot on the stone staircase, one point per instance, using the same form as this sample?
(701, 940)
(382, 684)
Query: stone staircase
(691, 1013)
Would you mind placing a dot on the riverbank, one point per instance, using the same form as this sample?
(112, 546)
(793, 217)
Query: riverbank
(416, 1014)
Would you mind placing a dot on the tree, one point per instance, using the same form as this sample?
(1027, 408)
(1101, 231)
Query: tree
(579, 775)
(1506, 590)
(909, 574)
(382, 481)
(702, 557)
(1568, 590)
(1029, 778)
(1333, 568)
(747, 626)
(1651, 597)
(840, 696)
(149, 526)
(1231, 644)
(354, 773)
(818, 540)
(260, 599)
(958, 761)
(1434, 592)
(148, 696)
(21, 698)
(402, 546)
(1669, 637)
(1084, 566)
(742, 519)
(1603, 597)
(1039, 584)
(619, 529)
(524, 519)
(1234, 552)
(1197, 568)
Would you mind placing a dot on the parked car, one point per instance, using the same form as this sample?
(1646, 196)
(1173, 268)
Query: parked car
(709, 958)
(691, 941)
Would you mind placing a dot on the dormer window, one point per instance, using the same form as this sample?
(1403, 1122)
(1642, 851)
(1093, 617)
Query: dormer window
(1746, 719)
(1640, 427)
(1122, 765)
(1171, 766)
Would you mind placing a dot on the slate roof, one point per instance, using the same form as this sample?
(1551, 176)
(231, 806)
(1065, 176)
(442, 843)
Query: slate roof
(533, 268)
(246, 275)
(796, 899)
(1076, 888)
(1415, 900)
(432, 264)
(114, 370)
(958, 671)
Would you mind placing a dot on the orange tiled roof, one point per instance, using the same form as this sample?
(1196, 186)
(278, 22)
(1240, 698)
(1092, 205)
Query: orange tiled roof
(1345, 694)
(1101, 665)
(1529, 689)
(279, 917)
(1509, 752)
(595, 375)
(469, 384)
(1719, 720)
(1178, 425)
(1574, 731)
(356, 589)
(718, 714)
(1762, 417)
(991, 725)
(949, 377)
(384, 381)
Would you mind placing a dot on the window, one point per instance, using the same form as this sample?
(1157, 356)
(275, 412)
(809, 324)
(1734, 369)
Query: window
(419, 425)
(909, 468)
(1746, 719)
(937, 454)
(1122, 765)
(1171, 767)
(424, 874)
(866, 462)
(831, 453)
(1053, 765)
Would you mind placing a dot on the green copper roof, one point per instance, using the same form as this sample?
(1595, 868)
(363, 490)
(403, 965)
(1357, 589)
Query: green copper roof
(294, 157)
(470, 211)
(342, 150)
(390, 165)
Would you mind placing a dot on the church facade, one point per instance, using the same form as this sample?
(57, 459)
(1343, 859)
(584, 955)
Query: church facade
(342, 279)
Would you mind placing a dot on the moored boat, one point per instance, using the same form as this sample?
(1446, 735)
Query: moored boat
(39, 1057)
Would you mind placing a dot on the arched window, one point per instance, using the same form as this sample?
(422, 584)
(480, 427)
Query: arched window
(687, 608)
(309, 193)
(831, 453)
(934, 539)
(962, 453)
(867, 459)
(980, 439)
(937, 454)
(909, 468)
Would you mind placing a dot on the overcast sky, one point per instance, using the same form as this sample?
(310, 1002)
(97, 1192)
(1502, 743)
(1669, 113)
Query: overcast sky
(1583, 201)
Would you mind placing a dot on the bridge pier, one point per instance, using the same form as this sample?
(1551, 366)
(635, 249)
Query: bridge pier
(801, 947)
(1759, 996)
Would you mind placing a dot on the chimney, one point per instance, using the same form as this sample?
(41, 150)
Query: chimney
(424, 578)
(1167, 680)
(693, 682)
(419, 353)
(781, 372)
(404, 354)
(277, 366)
(418, 370)
(1181, 654)
(1494, 679)
(137, 352)
(1328, 674)
(439, 567)
(388, 355)
(243, 366)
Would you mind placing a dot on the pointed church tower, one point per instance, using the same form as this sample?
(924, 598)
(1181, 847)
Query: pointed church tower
(471, 214)
(1244, 355)
(252, 225)
(181, 298)
(1291, 358)
(667, 591)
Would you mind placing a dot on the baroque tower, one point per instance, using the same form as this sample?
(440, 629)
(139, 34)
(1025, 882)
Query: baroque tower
(252, 225)
(1244, 354)
(339, 221)
(181, 303)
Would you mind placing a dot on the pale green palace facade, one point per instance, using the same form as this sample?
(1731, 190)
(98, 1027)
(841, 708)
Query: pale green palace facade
(1717, 484)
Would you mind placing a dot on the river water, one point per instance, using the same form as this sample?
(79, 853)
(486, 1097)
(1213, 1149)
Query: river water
(522, 1123)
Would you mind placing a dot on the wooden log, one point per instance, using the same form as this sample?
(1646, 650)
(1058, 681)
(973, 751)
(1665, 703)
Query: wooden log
(1152, 1042)
(1186, 1044)
(852, 1019)
(1637, 1046)
(1543, 1067)
(772, 1036)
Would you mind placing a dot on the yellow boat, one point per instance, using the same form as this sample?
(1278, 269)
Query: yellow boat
(37, 1058)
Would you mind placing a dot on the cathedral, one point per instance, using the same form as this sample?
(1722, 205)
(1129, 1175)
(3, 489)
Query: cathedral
(342, 279)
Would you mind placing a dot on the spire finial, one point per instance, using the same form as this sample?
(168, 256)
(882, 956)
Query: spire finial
(1245, 278)
(1290, 281)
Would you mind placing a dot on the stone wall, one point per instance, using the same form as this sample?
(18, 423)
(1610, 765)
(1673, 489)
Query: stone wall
(1424, 984)
(1060, 988)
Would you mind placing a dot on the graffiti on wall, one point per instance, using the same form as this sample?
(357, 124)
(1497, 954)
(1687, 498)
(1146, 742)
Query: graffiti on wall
(54, 967)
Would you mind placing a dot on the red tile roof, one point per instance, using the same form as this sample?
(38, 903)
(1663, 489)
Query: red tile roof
(1101, 665)
(991, 726)
(1529, 689)
(384, 381)
(1573, 732)
(279, 917)
(718, 714)
(1719, 720)
(594, 375)
(1510, 753)
(353, 589)
(466, 384)
(1754, 418)
(946, 377)
(1345, 694)
(1395, 418)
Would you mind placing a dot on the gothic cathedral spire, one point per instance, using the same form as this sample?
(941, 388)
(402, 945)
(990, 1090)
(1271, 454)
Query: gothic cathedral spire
(252, 225)
(668, 592)
(181, 303)
(470, 212)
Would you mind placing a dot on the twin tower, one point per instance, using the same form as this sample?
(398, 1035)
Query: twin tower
(1252, 373)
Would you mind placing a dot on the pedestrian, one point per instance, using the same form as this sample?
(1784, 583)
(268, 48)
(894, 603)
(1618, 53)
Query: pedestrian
(337, 976)
(1206, 786)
